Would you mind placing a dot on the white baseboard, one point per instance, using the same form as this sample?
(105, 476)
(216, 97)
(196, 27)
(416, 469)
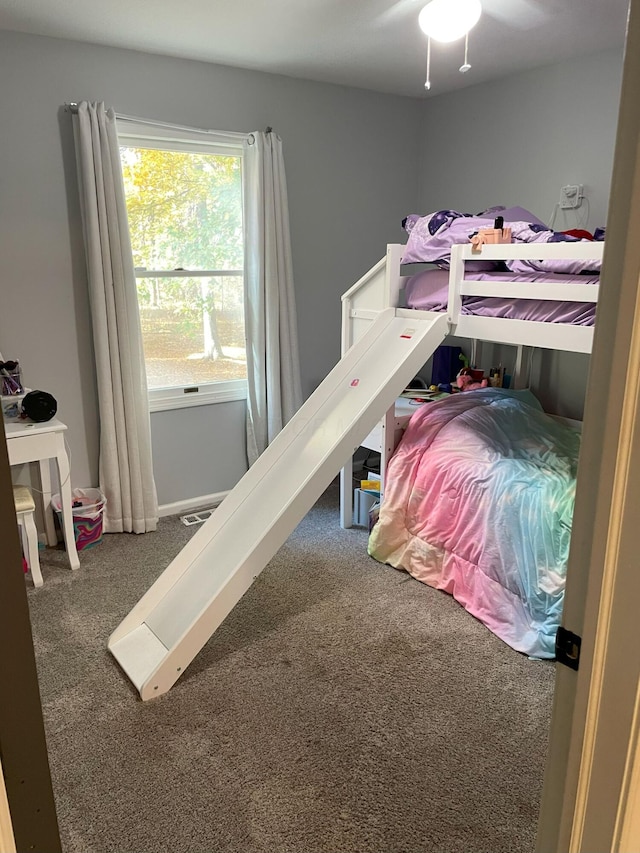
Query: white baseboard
(191, 504)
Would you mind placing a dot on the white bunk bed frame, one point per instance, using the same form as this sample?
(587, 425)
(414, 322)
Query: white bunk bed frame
(382, 287)
(384, 346)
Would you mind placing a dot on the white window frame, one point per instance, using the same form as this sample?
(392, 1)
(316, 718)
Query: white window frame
(136, 134)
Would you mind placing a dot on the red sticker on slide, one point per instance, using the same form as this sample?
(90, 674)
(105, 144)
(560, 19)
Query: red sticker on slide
(355, 382)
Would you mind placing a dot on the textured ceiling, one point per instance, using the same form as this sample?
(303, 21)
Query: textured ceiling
(372, 44)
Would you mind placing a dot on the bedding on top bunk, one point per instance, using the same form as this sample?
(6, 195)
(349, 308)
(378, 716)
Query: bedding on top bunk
(479, 503)
(429, 291)
(432, 236)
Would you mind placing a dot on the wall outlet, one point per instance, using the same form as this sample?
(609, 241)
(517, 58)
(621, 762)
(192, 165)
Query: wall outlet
(571, 196)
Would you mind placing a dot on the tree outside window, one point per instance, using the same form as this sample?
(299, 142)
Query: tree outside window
(185, 219)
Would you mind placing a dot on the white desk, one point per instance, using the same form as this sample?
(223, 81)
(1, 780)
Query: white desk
(31, 442)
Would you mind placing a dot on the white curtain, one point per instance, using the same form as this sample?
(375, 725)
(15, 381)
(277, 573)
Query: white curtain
(126, 473)
(273, 364)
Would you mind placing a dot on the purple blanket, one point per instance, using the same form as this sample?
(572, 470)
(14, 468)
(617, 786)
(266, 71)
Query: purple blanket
(429, 291)
(431, 238)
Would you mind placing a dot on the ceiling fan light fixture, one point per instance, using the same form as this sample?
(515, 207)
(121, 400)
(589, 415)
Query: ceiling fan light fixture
(449, 20)
(466, 66)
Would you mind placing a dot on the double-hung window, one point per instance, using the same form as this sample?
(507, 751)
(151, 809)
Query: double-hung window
(184, 204)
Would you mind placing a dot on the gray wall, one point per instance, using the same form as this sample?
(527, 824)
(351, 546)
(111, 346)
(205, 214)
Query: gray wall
(516, 142)
(351, 159)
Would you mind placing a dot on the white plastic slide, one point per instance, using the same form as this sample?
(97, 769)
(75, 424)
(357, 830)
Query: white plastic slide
(171, 623)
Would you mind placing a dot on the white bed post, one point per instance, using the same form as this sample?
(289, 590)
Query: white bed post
(392, 277)
(522, 369)
(382, 288)
(387, 445)
(393, 286)
(476, 353)
(456, 276)
(346, 472)
(346, 493)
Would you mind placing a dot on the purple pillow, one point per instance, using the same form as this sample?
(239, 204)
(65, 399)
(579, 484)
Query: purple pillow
(509, 214)
(431, 236)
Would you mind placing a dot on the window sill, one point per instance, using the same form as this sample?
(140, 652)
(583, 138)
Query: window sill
(165, 399)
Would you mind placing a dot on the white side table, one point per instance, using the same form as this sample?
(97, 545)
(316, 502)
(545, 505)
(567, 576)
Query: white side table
(43, 442)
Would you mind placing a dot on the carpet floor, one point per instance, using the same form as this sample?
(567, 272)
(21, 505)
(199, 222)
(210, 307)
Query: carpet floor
(342, 707)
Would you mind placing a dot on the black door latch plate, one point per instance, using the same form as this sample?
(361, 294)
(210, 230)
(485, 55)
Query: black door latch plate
(568, 648)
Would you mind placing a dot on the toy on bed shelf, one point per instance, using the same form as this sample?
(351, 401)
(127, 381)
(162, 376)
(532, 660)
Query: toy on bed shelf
(497, 234)
(469, 379)
(496, 377)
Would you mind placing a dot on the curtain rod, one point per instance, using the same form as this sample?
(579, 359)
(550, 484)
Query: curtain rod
(73, 109)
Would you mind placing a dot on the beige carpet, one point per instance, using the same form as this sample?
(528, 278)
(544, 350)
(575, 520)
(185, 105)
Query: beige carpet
(342, 708)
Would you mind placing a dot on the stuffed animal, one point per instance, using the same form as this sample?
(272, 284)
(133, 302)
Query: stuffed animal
(466, 382)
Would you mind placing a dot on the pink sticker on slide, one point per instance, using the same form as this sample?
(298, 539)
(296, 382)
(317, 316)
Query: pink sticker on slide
(355, 382)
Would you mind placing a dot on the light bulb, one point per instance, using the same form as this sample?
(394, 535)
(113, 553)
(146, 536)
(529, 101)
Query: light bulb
(449, 20)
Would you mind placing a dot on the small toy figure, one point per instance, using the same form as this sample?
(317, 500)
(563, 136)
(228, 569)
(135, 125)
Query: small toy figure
(497, 234)
(466, 382)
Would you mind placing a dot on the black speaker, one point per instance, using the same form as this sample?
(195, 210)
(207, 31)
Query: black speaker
(39, 406)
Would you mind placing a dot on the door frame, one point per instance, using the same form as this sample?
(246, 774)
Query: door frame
(592, 777)
(27, 806)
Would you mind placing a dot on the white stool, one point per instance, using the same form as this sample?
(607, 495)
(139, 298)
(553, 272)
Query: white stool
(25, 507)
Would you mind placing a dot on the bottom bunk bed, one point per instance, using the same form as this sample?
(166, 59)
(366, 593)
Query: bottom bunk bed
(478, 502)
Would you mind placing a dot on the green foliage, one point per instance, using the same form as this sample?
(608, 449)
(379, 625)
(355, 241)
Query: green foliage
(185, 212)
(184, 209)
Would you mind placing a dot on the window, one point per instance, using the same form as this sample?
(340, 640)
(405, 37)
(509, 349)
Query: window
(184, 205)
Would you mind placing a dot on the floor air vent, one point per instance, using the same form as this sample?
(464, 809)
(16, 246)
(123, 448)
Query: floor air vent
(196, 517)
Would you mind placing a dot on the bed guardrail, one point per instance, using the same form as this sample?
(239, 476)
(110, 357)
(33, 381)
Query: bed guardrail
(459, 286)
(379, 288)
(382, 285)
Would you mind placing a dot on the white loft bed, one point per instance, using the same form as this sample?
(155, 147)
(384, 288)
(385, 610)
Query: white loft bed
(382, 287)
(384, 346)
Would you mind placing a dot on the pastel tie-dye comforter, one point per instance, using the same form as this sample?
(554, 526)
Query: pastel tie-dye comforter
(479, 503)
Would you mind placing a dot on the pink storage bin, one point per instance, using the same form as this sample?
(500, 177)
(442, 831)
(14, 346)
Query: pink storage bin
(88, 511)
